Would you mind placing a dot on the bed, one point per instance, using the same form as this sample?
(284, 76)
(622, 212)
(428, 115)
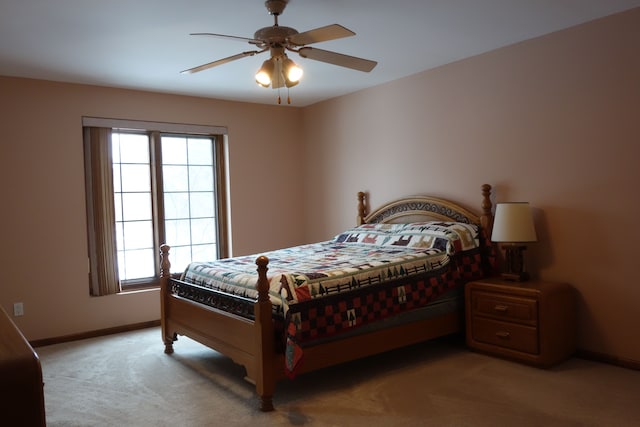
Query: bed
(300, 309)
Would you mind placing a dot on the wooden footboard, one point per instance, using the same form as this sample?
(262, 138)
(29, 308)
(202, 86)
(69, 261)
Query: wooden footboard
(249, 343)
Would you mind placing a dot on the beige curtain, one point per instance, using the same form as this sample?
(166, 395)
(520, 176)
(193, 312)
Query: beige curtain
(103, 258)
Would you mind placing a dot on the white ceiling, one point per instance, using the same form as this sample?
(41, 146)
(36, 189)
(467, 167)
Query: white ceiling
(144, 44)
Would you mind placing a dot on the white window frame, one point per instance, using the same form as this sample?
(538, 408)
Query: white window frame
(154, 130)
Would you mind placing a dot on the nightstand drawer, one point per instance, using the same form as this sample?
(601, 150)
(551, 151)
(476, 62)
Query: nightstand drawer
(509, 335)
(502, 307)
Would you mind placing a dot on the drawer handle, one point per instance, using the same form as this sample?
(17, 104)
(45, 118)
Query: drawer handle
(503, 334)
(501, 308)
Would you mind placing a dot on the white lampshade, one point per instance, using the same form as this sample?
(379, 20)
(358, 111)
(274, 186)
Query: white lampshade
(513, 223)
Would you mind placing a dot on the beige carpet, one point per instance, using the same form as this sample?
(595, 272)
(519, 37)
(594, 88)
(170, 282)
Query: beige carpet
(127, 380)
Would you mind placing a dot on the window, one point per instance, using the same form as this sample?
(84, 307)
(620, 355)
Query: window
(149, 187)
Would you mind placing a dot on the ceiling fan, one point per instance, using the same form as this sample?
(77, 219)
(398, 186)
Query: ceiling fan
(280, 71)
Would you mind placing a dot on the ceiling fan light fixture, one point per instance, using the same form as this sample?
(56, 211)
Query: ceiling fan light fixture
(265, 73)
(292, 72)
(288, 83)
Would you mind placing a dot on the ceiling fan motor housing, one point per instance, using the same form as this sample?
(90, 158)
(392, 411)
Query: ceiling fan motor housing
(276, 7)
(276, 35)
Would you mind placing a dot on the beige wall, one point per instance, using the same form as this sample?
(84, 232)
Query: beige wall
(43, 234)
(554, 121)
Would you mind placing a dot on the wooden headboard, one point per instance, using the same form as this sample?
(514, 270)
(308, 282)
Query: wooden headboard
(426, 208)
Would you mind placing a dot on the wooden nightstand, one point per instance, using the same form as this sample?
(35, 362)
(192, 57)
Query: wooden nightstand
(532, 322)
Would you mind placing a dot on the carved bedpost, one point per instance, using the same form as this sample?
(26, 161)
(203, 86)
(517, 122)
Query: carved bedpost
(165, 275)
(486, 219)
(362, 209)
(265, 351)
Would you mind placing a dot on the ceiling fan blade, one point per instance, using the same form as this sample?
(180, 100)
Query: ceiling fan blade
(226, 36)
(220, 61)
(337, 59)
(322, 34)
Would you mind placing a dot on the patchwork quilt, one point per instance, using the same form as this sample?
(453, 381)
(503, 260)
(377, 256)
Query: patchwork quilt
(361, 275)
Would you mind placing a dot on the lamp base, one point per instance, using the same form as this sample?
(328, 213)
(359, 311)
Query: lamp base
(514, 263)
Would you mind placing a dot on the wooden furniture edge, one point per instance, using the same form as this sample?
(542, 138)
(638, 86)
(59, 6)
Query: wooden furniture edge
(21, 384)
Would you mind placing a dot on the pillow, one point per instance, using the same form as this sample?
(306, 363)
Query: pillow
(450, 237)
(375, 234)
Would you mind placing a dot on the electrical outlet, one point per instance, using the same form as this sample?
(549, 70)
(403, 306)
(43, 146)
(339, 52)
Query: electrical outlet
(18, 309)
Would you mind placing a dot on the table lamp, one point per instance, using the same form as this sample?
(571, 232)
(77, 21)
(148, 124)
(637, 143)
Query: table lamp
(513, 226)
